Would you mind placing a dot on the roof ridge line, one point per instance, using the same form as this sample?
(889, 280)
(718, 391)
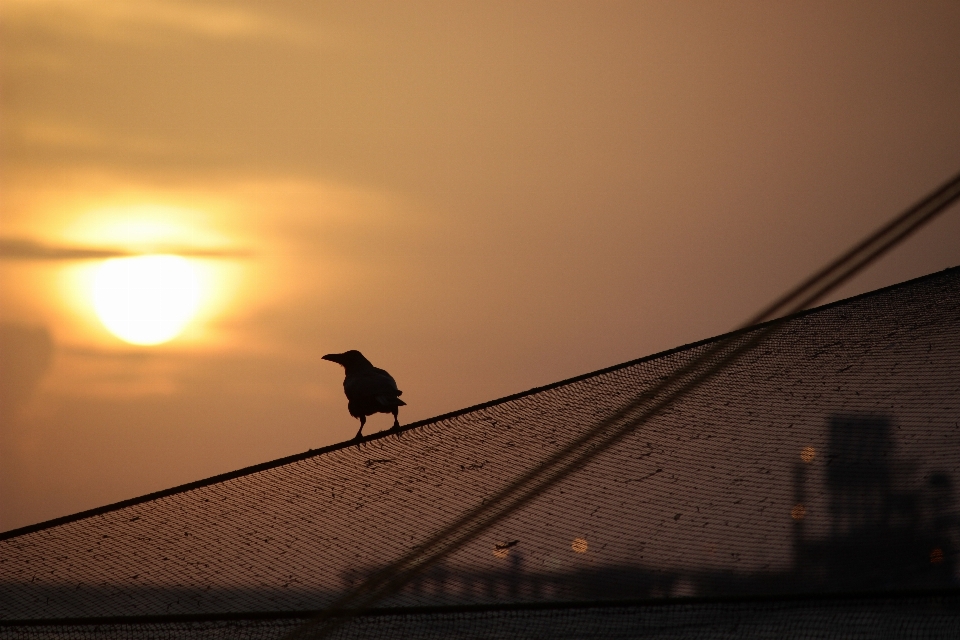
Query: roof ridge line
(310, 453)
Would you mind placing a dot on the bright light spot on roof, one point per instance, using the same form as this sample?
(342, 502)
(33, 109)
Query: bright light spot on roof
(579, 545)
(807, 454)
(798, 512)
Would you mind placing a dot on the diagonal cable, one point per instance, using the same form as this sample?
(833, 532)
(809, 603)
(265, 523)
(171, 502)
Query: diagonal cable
(717, 356)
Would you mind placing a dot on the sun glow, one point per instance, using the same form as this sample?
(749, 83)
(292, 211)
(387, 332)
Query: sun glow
(148, 299)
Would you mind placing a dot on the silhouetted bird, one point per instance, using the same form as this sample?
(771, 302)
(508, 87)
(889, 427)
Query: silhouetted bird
(369, 390)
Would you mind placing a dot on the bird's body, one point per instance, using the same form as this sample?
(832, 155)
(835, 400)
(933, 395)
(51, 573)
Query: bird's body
(369, 390)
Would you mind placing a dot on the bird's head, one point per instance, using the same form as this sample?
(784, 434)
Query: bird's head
(352, 359)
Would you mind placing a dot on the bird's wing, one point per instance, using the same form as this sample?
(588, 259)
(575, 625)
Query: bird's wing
(370, 383)
(388, 381)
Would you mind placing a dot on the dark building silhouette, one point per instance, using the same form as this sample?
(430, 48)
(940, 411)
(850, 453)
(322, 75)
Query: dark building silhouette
(883, 532)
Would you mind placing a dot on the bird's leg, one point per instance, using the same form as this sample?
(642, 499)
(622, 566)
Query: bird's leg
(363, 421)
(396, 419)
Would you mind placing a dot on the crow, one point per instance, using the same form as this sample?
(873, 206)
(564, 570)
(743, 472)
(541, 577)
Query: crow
(369, 390)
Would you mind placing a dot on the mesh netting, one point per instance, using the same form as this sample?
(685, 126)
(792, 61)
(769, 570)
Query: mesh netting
(824, 462)
(903, 618)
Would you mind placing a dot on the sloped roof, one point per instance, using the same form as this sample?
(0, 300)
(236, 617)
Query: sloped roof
(703, 499)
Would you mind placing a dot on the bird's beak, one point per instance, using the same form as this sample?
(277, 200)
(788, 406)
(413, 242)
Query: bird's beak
(332, 357)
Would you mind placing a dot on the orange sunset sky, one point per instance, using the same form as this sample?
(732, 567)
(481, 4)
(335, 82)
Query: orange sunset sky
(482, 197)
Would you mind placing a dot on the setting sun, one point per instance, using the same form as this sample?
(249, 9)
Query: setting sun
(146, 300)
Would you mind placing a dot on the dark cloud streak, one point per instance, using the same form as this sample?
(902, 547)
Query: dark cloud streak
(21, 249)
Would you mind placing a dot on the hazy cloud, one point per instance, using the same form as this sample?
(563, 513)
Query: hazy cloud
(152, 19)
(26, 352)
(21, 249)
